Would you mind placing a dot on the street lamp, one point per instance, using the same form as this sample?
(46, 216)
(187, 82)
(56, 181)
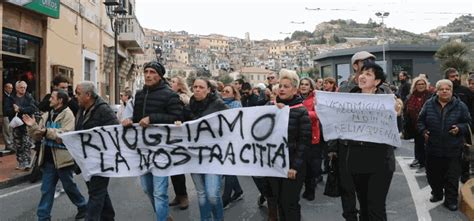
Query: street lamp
(115, 11)
(383, 15)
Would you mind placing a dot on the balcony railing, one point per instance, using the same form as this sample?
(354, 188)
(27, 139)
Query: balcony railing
(132, 36)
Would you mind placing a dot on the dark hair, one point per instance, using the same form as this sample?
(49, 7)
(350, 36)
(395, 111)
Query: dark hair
(60, 79)
(246, 86)
(208, 82)
(404, 73)
(449, 71)
(62, 94)
(240, 80)
(378, 71)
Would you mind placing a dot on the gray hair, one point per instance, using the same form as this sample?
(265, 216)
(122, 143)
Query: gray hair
(290, 75)
(88, 87)
(444, 81)
(19, 83)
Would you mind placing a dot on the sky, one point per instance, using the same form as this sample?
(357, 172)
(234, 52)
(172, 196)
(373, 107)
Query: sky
(275, 19)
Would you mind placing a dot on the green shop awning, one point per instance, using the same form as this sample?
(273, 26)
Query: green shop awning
(46, 7)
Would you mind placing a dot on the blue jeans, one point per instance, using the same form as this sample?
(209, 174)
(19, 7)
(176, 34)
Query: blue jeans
(156, 188)
(51, 175)
(208, 188)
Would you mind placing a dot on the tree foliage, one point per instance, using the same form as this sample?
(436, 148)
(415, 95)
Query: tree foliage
(453, 54)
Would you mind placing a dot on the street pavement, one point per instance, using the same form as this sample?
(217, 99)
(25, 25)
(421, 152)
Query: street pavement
(407, 200)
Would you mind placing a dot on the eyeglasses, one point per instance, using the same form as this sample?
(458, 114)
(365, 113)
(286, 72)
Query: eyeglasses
(420, 84)
(270, 78)
(226, 91)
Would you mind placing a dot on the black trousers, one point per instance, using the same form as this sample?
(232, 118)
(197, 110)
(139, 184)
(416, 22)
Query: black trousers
(313, 165)
(420, 148)
(99, 206)
(287, 193)
(443, 176)
(365, 172)
(179, 185)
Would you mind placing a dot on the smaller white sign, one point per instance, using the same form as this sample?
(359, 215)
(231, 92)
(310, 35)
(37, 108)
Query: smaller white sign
(359, 117)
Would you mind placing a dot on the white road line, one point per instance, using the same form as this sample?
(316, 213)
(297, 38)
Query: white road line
(420, 195)
(20, 190)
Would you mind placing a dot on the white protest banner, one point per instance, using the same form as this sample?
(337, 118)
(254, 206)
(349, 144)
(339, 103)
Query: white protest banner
(360, 117)
(242, 141)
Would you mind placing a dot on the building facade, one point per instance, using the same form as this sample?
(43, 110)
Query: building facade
(72, 38)
(414, 59)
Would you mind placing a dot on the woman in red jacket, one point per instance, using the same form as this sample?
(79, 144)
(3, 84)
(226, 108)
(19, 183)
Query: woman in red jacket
(313, 157)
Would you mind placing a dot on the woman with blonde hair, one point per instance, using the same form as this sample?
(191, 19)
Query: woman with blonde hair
(285, 192)
(419, 94)
(179, 85)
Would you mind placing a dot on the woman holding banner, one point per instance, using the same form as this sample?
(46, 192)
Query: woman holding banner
(286, 191)
(368, 167)
(208, 186)
(231, 97)
(179, 85)
(313, 158)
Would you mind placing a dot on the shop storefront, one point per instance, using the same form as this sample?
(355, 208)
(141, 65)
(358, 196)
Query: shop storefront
(20, 56)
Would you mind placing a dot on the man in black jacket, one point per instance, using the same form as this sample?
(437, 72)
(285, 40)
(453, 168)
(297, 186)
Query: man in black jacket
(465, 95)
(94, 112)
(21, 103)
(158, 104)
(404, 88)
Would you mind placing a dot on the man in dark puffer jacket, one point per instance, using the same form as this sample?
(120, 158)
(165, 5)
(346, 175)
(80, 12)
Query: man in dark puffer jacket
(443, 121)
(156, 104)
(94, 112)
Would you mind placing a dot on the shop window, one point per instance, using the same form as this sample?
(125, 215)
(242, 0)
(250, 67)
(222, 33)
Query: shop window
(63, 70)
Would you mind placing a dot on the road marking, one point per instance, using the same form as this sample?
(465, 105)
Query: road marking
(421, 196)
(20, 190)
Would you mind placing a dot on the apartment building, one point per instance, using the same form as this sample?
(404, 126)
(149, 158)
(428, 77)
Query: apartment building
(41, 39)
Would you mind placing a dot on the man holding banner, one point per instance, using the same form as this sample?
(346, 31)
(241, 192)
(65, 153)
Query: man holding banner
(156, 104)
(93, 112)
(366, 131)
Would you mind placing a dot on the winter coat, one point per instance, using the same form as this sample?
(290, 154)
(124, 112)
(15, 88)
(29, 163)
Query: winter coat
(100, 114)
(438, 122)
(196, 109)
(412, 108)
(161, 104)
(63, 122)
(309, 104)
(299, 131)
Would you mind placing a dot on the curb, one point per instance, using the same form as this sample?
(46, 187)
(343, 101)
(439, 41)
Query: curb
(14, 181)
(467, 199)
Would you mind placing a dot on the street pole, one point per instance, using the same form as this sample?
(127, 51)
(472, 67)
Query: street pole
(383, 15)
(116, 67)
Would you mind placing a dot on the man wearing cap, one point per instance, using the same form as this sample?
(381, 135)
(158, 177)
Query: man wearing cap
(357, 61)
(156, 103)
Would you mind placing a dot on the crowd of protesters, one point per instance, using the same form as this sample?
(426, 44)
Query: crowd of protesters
(437, 118)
